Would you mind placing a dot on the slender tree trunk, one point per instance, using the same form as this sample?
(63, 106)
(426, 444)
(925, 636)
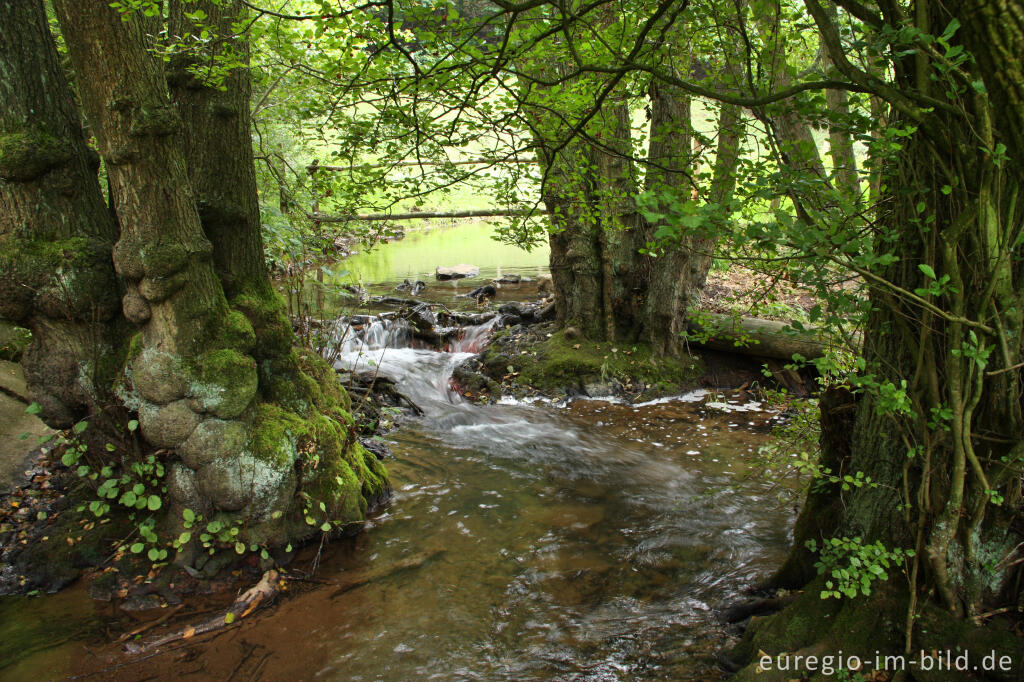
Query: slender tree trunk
(55, 272)
(680, 273)
(844, 161)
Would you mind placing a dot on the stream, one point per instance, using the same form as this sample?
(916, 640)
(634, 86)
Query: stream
(590, 541)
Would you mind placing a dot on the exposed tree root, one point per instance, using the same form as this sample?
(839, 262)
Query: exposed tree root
(258, 595)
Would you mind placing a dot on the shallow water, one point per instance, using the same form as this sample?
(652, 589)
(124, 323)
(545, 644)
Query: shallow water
(416, 256)
(426, 248)
(591, 541)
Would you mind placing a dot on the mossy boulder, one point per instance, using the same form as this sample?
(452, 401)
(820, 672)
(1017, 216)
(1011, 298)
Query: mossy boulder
(159, 377)
(213, 439)
(166, 426)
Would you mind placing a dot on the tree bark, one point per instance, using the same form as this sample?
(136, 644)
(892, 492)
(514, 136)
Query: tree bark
(216, 136)
(55, 272)
(260, 429)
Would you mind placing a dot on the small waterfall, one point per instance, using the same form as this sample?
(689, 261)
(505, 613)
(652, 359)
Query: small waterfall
(360, 334)
(386, 344)
(473, 339)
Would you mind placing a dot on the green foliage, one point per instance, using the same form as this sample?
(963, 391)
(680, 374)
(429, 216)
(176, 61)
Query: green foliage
(852, 566)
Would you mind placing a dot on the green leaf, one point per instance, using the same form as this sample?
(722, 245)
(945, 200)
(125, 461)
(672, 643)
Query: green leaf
(133, 425)
(154, 502)
(137, 547)
(927, 270)
(240, 547)
(34, 408)
(153, 554)
(229, 618)
(189, 515)
(325, 526)
(80, 427)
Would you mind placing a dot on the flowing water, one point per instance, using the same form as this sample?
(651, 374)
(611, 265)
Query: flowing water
(591, 541)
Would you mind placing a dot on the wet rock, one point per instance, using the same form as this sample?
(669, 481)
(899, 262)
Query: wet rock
(602, 389)
(379, 448)
(513, 308)
(422, 318)
(480, 294)
(509, 278)
(469, 378)
(460, 271)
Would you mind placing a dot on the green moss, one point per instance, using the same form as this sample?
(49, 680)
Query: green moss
(275, 434)
(226, 382)
(274, 334)
(238, 332)
(323, 374)
(65, 277)
(336, 471)
(28, 154)
(163, 260)
(226, 367)
(559, 362)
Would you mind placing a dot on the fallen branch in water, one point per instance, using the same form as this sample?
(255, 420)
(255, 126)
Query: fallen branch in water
(258, 595)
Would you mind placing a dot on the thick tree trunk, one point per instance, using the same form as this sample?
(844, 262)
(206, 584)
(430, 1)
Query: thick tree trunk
(216, 135)
(936, 437)
(195, 371)
(55, 272)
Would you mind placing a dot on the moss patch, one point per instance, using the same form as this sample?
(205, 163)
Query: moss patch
(28, 154)
(274, 334)
(556, 364)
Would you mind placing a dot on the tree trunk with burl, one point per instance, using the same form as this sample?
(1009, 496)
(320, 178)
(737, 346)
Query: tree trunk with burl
(56, 278)
(258, 430)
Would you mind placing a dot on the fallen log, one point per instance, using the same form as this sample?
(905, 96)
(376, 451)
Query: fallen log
(258, 595)
(753, 336)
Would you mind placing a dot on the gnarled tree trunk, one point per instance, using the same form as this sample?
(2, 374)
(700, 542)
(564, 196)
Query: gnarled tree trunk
(263, 448)
(56, 232)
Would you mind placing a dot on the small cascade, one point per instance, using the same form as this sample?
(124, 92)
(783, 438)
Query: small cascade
(392, 346)
(473, 339)
(361, 334)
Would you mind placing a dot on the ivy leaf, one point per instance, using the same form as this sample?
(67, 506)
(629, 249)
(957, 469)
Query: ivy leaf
(154, 502)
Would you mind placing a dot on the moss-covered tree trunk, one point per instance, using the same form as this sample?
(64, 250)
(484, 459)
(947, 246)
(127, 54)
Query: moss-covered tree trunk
(935, 443)
(216, 135)
(56, 232)
(608, 286)
(263, 448)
